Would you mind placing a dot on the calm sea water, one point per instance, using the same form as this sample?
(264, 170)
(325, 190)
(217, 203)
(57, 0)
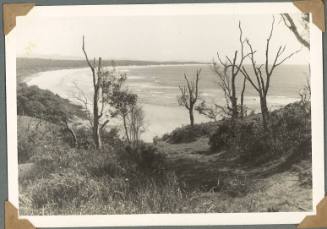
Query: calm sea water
(157, 88)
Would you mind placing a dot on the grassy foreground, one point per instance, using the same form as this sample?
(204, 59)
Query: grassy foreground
(205, 168)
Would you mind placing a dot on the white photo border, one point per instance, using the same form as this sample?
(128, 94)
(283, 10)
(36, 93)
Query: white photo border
(316, 62)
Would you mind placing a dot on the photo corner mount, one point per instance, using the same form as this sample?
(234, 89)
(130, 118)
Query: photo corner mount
(316, 8)
(11, 11)
(12, 221)
(316, 221)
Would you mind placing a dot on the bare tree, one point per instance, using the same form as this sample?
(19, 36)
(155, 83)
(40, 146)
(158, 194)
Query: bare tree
(291, 25)
(104, 83)
(262, 77)
(189, 95)
(227, 77)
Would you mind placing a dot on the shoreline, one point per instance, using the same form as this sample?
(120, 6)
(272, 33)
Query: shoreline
(25, 70)
(156, 114)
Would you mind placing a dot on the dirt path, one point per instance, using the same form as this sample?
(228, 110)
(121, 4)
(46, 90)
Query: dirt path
(195, 164)
(266, 188)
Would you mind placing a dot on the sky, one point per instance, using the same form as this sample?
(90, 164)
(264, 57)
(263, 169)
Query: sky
(155, 38)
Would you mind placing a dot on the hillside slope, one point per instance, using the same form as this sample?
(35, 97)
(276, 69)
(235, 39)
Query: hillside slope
(228, 182)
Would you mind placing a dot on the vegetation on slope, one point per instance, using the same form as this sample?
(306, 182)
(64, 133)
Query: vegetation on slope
(171, 175)
(35, 102)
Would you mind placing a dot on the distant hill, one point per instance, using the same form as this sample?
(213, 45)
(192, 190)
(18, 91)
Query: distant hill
(28, 66)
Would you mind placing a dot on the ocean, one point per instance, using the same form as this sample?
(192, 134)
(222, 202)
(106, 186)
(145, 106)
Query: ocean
(157, 90)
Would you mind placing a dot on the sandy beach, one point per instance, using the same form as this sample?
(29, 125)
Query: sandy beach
(157, 89)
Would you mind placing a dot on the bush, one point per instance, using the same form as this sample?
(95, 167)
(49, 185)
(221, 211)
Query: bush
(35, 102)
(142, 158)
(221, 139)
(189, 133)
(84, 138)
(112, 138)
(255, 148)
(102, 164)
(289, 132)
(251, 143)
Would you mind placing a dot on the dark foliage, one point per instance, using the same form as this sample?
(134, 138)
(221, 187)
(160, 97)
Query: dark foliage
(291, 130)
(289, 133)
(221, 138)
(142, 158)
(111, 137)
(189, 133)
(35, 102)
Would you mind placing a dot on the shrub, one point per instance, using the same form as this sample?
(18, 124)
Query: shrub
(142, 158)
(189, 133)
(35, 102)
(111, 137)
(101, 164)
(291, 128)
(222, 137)
(289, 133)
(244, 137)
(255, 148)
(84, 138)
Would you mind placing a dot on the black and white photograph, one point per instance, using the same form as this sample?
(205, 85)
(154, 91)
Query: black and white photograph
(178, 113)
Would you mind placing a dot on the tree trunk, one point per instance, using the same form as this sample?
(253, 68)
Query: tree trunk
(264, 112)
(96, 134)
(242, 99)
(191, 116)
(97, 138)
(234, 108)
(234, 100)
(126, 129)
(96, 127)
